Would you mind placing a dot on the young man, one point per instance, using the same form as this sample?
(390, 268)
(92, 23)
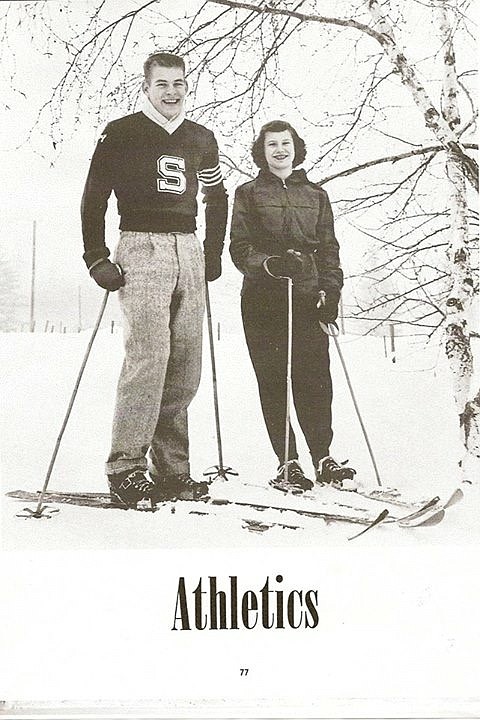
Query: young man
(153, 160)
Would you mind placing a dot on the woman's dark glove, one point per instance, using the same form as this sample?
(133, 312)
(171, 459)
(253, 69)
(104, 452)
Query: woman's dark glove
(288, 265)
(327, 306)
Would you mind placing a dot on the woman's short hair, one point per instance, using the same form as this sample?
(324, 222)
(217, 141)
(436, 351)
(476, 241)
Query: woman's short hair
(258, 147)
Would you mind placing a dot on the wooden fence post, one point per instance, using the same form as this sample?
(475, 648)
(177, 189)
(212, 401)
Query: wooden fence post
(32, 283)
(392, 341)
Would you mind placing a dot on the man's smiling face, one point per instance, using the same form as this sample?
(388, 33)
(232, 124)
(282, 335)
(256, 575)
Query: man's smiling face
(166, 89)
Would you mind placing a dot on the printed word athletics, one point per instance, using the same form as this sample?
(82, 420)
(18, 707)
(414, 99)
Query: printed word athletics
(210, 607)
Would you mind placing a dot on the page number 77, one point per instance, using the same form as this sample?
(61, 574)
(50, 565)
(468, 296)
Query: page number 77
(243, 671)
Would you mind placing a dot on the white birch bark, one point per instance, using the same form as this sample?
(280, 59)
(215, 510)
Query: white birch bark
(434, 120)
(457, 337)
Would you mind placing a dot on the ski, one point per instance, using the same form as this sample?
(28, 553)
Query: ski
(429, 514)
(321, 495)
(393, 496)
(94, 500)
(104, 501)
(436, 513)
(381, 517)
(359, 517)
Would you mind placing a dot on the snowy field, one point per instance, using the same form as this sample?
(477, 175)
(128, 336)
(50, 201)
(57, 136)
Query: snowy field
(407, 409)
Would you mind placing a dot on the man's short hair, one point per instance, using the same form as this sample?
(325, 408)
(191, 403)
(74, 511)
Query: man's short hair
(165, 60)
(258, 147)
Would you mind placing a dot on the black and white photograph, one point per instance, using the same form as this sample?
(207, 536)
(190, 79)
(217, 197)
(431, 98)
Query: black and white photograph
(240, 336)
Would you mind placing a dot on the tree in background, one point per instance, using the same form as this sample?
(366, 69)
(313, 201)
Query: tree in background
(384, 95)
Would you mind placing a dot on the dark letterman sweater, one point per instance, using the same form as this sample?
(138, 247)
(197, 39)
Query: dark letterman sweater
(154, 176)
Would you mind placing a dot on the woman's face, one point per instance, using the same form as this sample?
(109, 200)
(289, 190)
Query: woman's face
(279, 150)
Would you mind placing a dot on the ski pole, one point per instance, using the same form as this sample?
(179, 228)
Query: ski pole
(288, 398)
(219, 470)
(332, 330)
(38, 513)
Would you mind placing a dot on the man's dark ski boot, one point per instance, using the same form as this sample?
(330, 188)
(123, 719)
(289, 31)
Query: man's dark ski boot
(131, 488)
(178, 487)
(293, 481)
(329, 472)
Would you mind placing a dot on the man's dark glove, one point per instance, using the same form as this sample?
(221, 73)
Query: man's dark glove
(288, 265)
(213, 267)
(107, 275)
(327, 306)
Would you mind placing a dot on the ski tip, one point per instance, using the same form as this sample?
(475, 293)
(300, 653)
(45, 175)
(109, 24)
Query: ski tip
(432, 518)
(456, 497)
(380, 518)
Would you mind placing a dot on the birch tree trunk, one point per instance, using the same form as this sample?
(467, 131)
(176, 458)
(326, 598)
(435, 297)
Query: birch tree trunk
(436, 121)
(457, 341)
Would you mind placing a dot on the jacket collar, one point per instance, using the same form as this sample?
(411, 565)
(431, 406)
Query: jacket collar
(297, 177)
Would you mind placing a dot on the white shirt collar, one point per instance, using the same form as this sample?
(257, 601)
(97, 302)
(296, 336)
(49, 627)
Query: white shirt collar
(152, 113)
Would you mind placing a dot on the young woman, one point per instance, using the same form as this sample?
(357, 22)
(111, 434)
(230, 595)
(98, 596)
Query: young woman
(282, 227)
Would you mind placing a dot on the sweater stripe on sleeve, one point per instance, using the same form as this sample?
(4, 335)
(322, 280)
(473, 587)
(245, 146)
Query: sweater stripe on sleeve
(210, 176)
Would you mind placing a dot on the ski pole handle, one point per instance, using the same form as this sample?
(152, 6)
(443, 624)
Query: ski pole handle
(328, 328)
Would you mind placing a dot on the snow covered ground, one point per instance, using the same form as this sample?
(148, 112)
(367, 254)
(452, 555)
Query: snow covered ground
(407, 408)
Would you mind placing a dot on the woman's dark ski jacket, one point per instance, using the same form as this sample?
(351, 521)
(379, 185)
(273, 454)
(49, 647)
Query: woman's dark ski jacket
(271, 216)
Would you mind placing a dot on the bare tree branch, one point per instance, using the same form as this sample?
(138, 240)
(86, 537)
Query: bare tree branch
(390, 158)
(386, 38)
